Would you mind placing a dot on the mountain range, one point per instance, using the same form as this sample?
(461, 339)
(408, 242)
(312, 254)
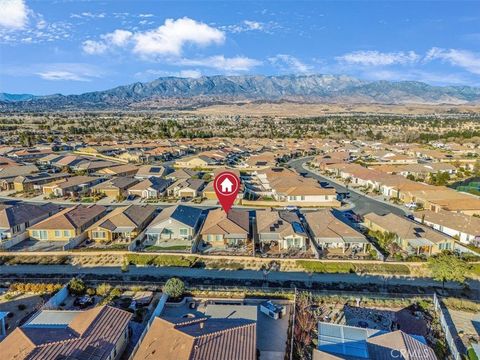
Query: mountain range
(187, 93)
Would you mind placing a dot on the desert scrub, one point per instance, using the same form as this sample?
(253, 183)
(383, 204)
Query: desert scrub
(161, 260)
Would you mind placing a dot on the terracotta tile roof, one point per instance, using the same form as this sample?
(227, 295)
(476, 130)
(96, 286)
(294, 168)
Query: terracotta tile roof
(93, 332)
(324, 225)
(71, 218)
(218, 222)
(199, 339)
(404, 346)
(406, 229)
(457, 221)
(271, 222)
(11, 215)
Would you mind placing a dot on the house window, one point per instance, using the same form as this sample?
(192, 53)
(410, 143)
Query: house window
(99, 234)
(66, 233)
(218, 237)
(302, 198)
(58, 233)
(35, 233)
(183, 232)
(209, 237)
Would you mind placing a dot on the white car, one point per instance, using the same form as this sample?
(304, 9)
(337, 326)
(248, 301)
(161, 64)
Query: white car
(411, 206)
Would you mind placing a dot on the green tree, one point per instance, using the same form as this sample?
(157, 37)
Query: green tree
(174, 288)
(77, 286)
(448, 267)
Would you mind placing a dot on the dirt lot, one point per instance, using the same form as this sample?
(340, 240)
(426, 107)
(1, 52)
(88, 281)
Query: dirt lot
(22, 308)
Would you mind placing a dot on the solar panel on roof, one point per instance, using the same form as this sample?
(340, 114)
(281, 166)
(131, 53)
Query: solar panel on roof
(297, 227)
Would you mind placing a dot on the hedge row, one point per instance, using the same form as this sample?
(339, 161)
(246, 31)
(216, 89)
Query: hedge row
(345, 268)
(161, 260)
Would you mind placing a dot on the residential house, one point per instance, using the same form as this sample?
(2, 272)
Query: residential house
(89, 166)
(123, 224)
(281, 230)
(343, 342)
(199, 338)
(9, 173)
(330, 233)
(411, 237)
(198, 161)
(101, 333)
(463, 227)
(285, 186)
(67, 224)
(183, 174)
(188, 188)
(119, 170)
(150, 188)
(148, 171)
(226, 230)
(175, 226)
(35, 182)
(116, 187)
(76, 185)
(15, 219)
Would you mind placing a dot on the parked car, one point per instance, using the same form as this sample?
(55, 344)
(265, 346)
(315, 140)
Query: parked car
(291, 208)
(84, 301)
(411, 206)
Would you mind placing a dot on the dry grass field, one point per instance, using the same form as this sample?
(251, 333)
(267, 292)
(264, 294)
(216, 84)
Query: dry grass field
(307, 110)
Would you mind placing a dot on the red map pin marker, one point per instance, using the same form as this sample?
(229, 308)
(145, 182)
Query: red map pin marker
(226, 185)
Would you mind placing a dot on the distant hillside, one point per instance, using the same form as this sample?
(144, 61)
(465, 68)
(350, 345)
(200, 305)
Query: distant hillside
(15, 97)
(172, 92)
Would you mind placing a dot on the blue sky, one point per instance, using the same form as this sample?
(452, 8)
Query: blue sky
(77, 46)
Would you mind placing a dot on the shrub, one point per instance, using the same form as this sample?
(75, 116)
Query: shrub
(461, 305)
(91, 291)
(342, 268)
(35, 288)
(325, 267)
(103, 289)
(174, 288)
(172, 260)
(391, 269)
(77, 286)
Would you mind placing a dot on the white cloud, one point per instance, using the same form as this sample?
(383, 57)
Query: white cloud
(173, 35)
(288, 63)
(246, 25)
(88, 15)
(61, 75)
(462, 58)
(62, 71)
(376, 58)
(253, 25)
(117, 38)
(94, 47)
(168, 39)
(14, 14)
(190, 74)
(220, 62)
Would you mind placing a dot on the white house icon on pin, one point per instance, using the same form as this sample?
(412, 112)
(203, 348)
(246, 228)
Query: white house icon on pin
(226, 186)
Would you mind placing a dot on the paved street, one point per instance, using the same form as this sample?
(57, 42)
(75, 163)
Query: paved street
(362, 204)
